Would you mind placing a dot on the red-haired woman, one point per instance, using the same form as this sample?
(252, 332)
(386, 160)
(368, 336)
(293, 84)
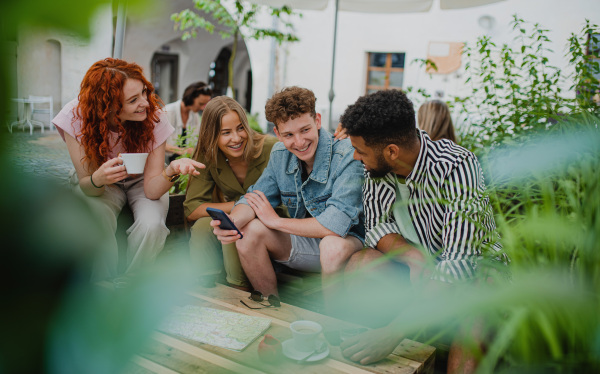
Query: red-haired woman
(116, 112)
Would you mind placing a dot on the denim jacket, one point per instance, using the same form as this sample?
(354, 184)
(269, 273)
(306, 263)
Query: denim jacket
(332, 193)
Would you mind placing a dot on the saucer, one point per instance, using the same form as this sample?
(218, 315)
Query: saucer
(290, 352)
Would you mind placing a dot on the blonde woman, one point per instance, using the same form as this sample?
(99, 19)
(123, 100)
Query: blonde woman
(434, 119)
(235, 157)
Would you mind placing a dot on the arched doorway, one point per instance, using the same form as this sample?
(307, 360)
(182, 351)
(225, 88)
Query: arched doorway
(219, 74)
(164, 77)
(53, 72)
(153, 34)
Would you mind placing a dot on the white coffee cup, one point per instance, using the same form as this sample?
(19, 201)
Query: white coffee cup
(305, 335)
(134, 162)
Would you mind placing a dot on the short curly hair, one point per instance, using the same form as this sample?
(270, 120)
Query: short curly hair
(382, 118)
(290, 103)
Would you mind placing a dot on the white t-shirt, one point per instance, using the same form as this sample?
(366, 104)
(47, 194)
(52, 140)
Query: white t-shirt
(401, 214)
(174, 114)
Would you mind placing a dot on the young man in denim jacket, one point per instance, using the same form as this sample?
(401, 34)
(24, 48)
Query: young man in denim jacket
(317, 179)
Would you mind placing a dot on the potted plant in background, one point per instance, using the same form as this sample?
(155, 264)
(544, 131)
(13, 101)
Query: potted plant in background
(175, 216)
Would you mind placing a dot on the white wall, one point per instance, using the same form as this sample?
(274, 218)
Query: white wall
(260, 59)
(309, 61)
(76, 56)
(147, 31)
(152, 31)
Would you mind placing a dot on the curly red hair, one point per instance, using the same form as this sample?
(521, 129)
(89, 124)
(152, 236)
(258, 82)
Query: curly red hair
(101, 99)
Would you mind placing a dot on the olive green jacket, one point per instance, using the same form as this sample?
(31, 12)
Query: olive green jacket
(200, 187)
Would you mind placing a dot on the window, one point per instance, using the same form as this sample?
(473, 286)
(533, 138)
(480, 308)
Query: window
(164, 76)
(385, 71)
(218, 77)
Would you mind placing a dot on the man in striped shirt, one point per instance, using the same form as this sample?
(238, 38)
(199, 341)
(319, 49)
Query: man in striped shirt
(421, 198)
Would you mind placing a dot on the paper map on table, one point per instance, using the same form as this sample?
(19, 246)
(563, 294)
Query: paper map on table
(225, 329)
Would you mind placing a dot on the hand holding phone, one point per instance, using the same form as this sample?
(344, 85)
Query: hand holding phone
(226, 223)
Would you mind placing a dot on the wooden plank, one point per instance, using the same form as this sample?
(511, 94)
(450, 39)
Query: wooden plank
(251, 364)
(419, 352)
(179, 361)
(132, 368)
(203, 354)
(152, 366)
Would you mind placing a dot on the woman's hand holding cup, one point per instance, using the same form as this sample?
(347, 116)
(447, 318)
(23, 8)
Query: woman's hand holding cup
(110, 172)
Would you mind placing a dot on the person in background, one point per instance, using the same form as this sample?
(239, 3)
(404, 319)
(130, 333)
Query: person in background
(117, 112)
(235, 157)
(184, 116)
(434, 118)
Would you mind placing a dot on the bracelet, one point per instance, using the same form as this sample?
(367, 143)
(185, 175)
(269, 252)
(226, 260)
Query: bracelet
(170, 178)
(92, 180)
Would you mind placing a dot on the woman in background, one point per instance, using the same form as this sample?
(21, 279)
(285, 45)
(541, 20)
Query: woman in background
(235, 157)
(117, 112)
(434, 119)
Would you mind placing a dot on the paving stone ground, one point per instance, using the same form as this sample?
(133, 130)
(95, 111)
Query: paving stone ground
(44, 155)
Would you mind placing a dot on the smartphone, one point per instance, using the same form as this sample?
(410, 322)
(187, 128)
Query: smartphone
(226, 223)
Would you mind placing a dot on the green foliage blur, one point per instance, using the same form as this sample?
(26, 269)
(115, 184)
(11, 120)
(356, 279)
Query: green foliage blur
(53, 320)
(539, 145)
(515, 90)
(544, 317)
(253, 123)
(187, 141)
(241, 22)
(540, 149)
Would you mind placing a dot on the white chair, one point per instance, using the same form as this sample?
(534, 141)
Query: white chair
(26, 115)
(12, 116)
(44, 106)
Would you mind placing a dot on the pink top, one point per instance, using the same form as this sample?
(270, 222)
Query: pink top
(64, 123)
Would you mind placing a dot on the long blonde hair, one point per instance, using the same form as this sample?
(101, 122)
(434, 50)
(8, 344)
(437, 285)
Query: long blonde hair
(434, 119)
(210, 130)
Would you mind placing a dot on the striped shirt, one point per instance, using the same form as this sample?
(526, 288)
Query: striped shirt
(448, 208)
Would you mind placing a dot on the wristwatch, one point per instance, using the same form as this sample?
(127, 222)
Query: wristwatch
(171, 178)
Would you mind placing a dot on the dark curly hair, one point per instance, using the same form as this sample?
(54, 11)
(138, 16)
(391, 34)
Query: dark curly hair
(382, 118)
(290, 103)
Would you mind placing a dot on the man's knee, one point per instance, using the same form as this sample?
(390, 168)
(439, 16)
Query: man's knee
(254, 232)
(335, 251)
(362, 258)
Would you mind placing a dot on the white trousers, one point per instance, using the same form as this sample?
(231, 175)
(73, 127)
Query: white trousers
(145, 238)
